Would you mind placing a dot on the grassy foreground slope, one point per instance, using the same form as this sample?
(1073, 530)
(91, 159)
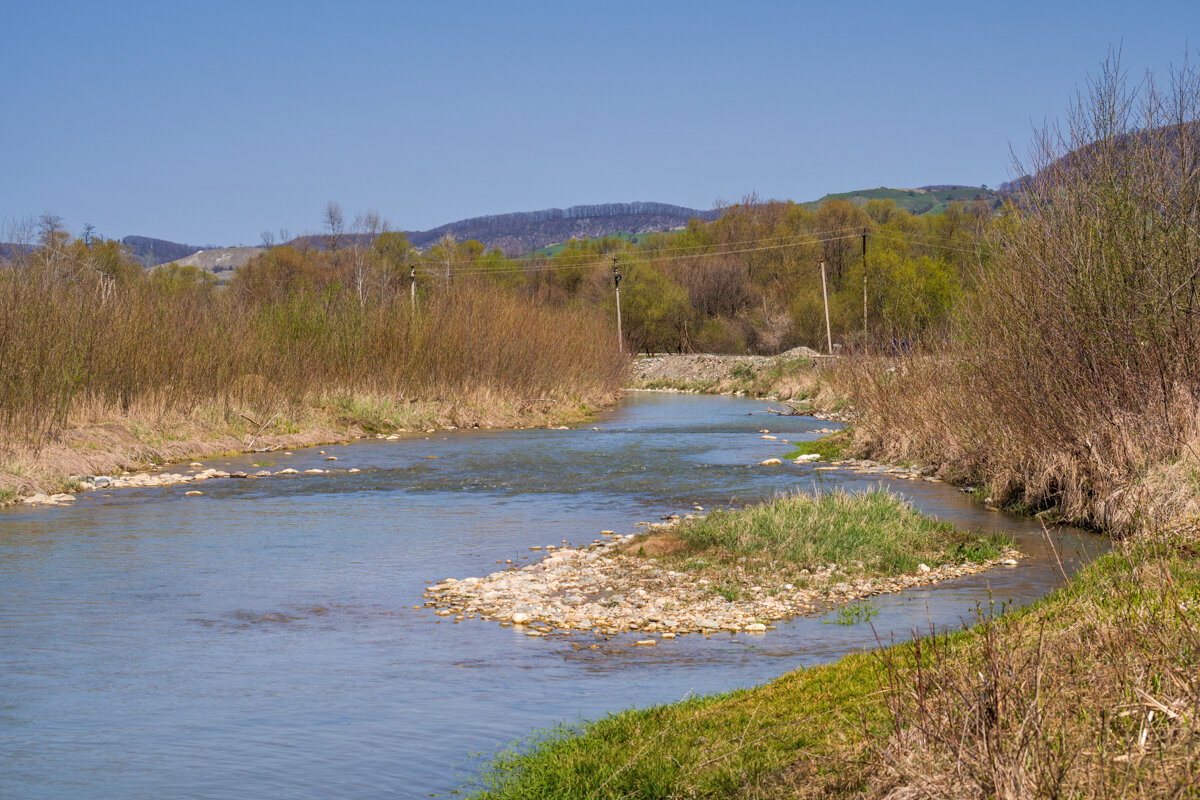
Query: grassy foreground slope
(1092, 691)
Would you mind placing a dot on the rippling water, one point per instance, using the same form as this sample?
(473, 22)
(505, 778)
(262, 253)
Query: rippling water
(259, 642)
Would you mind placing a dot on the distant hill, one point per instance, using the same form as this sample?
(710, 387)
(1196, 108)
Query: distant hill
(543, 232)
(526, 231)
(922, 200)
(221, 261)
(10, 250)
(151, 252)
(523, 232)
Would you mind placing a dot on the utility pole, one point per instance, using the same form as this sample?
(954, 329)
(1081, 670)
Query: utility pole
(825, 297)
(412, 277)
(864, 237)
(617, 286)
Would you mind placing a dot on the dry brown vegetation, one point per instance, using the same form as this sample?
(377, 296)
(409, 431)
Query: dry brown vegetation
(1071, 378)
(1095, 695)
(113, 371)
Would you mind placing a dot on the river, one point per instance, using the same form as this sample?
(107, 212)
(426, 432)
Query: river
(259, 641)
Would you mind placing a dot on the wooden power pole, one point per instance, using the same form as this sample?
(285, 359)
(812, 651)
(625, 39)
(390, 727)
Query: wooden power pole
(825, 297)
(864, 237)
(617, 286)
(412, 277)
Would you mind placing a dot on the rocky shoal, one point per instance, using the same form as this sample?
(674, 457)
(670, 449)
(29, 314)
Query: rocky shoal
(605, 590)
(126, 481)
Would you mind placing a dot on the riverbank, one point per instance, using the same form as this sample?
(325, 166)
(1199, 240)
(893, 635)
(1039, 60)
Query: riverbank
(735, 571)
(133, 448)
(1039, 702)
(793, 377)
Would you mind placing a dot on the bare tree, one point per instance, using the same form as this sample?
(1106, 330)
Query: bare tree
(366, 228)
(20, 233)
(335, 223)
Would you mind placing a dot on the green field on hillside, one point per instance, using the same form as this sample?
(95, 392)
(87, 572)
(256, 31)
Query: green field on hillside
(555, 249)
(916, 201)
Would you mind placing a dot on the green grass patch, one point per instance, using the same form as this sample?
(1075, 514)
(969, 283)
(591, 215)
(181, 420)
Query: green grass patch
(852, 615)
(704, 747)
(871, 534)
(829, 448)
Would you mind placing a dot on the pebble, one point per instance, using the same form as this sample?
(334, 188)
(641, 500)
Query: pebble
(770, 462)
(609, 592)
(192, 493)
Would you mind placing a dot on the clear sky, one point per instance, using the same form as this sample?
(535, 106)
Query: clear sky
(210, 122)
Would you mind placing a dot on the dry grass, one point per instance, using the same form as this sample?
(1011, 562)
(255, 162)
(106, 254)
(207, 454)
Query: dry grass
(1096, 695)
(655, 545)
(1072, 378)
(95, 375)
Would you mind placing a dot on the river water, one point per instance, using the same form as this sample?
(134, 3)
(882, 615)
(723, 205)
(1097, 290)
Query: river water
(259, 641)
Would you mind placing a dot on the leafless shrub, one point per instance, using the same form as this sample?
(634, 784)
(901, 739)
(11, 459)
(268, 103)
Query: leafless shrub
(1072, 377)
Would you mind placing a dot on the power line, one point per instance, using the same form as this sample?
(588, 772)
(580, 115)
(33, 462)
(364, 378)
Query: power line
(633, 256)
(686, 248)
(915, 239)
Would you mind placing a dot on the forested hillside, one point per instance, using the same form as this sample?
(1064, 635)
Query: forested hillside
(150, 252)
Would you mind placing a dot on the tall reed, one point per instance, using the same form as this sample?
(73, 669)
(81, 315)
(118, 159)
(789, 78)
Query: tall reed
(67, 345)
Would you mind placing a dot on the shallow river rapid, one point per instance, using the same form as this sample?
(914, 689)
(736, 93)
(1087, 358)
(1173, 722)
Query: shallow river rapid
(258, 641)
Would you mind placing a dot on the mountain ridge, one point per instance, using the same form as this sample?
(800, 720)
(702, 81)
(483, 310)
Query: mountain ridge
(521, 232)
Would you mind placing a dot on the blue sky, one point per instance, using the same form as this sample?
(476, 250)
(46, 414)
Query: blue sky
(211, 122)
